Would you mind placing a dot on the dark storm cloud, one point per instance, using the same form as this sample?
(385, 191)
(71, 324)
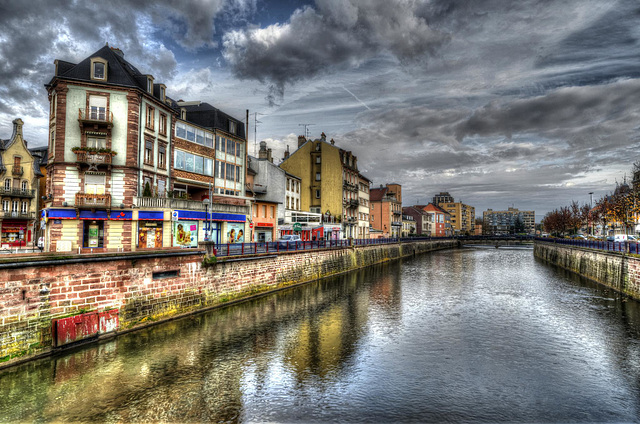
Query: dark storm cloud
(583, 116)
(335, 34)
(34, 33)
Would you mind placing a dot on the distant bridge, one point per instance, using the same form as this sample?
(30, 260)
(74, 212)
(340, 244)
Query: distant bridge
(496, 241)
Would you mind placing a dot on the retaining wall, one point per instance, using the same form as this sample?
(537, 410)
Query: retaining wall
(616, 270)
(149, 288)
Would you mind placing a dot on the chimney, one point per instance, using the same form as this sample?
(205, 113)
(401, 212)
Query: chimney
(263, 153)
(286, 153)
(333, 142)
(117, 51)
(269, 157)
(301, 140)
(323, 136)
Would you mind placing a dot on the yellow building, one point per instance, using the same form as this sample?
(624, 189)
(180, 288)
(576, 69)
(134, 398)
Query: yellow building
(462, 216)
(19, 194)
(329, 184)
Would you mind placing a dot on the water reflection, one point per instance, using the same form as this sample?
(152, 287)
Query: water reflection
(470, 335)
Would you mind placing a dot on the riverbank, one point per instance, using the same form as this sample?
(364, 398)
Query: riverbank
(51, 304)
(617, 270)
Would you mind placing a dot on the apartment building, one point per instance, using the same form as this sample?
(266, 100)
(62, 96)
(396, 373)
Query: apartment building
(424, 221)
(386, 209)
(364, 186)
(19, 191)
(506, 222)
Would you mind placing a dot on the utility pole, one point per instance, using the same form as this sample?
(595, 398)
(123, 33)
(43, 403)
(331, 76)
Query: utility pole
(255, 132)
(306, 129)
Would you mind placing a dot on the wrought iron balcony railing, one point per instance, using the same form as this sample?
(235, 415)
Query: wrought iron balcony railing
(99, 201)
(97, 115)
(16, 192)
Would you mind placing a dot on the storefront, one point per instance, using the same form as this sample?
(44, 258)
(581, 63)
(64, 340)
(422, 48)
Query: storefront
(191, 226)
(263, 232)
(93, 228)
(16, 233)
(306, 233)
(150, 232)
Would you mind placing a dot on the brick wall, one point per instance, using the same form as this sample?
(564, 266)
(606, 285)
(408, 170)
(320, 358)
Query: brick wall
(147, 288)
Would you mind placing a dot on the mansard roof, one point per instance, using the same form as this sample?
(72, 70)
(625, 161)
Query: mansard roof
(208, 116)
(119, 71)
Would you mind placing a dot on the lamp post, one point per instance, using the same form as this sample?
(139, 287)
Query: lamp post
(591, 207)
(206, 219)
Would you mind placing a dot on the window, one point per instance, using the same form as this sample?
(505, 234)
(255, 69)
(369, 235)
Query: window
(318, 147)
(179, 159)
(200, 136)
(288, 202)
(161, 156)
(14, 206)
(191, 133)
(93, 234)
(96, 142)
(317, 176)
(230, 172)
(148, 152)
(264, 211)
(198, 164)
(318, 159)
(181, 130)
(94, 183)
(52, 143)
(237, 174)
(162, 93)
(150, 84)
(189, 162)
(98, 108)
(161, 187)
(231, 148)
(6, 205)
(272, 212)
(288, 188)
(297, 187)
(297, 204)
(25, 207)
(208, 166)
(7, 184)
(98, 70)
(208, 140)
(232, 127)
(317, 194)
(150, 117)
(25, 185)
(163, 124)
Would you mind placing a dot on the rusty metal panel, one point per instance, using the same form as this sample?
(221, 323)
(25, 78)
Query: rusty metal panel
(75, 328)
(108, 321)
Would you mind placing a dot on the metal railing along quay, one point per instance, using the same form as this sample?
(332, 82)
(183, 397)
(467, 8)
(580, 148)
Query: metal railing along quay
(610, 246)
(275, 247)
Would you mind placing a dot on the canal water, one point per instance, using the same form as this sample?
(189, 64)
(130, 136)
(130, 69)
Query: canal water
(469, 335)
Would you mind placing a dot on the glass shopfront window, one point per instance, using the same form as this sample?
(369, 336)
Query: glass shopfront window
(149, 234)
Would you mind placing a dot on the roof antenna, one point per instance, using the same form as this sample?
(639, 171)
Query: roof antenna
(306, 129)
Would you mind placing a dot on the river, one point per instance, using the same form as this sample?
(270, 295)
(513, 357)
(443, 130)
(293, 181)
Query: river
(467, 335)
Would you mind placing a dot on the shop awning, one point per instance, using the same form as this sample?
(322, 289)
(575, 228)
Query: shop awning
(121, 215)
(191, 215)
(150, 216)
(229, 217)
(98, 215)
(62, 214)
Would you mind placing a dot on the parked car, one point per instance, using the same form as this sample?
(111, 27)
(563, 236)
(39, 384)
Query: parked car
(578, 237)
(618, 238)
(288, 241)
(632, 238)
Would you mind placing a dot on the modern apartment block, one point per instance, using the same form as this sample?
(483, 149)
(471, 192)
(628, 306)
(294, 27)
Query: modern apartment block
(19, 191)
(505, 222)
(462, 217)
(364, 187)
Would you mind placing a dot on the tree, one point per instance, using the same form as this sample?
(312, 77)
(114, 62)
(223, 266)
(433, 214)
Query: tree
(518, 225)
(147, 190)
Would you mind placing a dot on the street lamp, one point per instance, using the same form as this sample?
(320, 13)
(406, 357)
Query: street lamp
(206, 218)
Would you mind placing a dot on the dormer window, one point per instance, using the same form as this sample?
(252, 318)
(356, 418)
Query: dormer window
(150, 84)
(98, 69)
(162, 92)
(232, 127)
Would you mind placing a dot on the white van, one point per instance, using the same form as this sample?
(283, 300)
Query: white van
(620, 237)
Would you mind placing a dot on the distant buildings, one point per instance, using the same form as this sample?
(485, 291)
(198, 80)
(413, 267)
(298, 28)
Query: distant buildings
(462, 216)
(508, 222)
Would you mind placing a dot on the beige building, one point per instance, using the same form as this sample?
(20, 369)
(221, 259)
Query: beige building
(462, 217)
(19, 192)
(506, 222)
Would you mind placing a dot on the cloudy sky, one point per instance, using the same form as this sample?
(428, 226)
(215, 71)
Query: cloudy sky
(528, 103)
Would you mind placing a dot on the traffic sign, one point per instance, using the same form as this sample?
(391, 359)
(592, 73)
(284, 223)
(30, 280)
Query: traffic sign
(297, 226)
(251, 225)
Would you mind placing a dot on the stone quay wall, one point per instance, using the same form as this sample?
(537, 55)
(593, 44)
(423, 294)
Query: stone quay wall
(145, 288)
(616, 270)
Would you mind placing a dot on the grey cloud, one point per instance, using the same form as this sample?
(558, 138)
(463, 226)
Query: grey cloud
(335, 35)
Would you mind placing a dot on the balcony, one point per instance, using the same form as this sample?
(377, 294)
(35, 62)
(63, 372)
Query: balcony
(348, 186)
(16, 192)
(17, 215)
(94, 157)
(93, 201)
(17, 170)
(192, 205)
(95, 116)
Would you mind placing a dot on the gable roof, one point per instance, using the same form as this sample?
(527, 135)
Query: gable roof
(377, 194)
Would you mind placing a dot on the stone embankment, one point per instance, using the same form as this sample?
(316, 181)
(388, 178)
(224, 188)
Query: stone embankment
(47, 304)
(617, 270)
